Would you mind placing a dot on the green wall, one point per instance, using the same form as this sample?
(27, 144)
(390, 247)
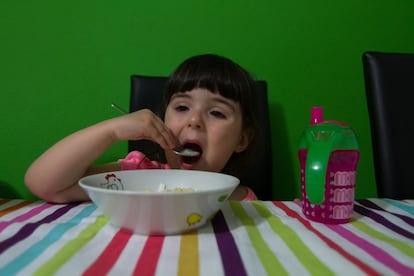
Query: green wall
(64, 62)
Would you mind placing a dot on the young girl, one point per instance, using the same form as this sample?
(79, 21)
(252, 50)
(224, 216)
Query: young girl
(209, 108)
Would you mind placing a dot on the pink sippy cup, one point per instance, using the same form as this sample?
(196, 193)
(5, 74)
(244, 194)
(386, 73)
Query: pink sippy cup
(328, 155)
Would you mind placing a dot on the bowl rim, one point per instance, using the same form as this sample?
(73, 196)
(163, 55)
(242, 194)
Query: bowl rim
(87, 188)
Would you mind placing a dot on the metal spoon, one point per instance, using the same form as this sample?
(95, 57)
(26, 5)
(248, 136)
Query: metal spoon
(120, 110)
(179, 150)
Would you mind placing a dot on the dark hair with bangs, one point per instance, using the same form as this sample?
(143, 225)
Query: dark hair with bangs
(225, 77)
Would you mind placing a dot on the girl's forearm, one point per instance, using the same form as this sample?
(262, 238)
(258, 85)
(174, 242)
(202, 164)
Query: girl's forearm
(55, 174)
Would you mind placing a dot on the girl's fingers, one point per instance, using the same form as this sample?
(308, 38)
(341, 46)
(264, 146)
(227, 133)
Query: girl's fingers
(157, 131)
(144, 124)
(164, 136)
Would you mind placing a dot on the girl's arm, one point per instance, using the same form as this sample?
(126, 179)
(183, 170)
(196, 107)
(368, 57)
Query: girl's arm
(55, 174)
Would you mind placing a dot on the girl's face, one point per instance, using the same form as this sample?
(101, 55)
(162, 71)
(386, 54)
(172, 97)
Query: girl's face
(206, 122)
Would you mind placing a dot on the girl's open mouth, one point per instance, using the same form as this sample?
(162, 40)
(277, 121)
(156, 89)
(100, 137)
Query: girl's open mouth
(192, 159)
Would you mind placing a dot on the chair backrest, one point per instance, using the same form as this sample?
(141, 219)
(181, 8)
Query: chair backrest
(389, 85)
(147, 91)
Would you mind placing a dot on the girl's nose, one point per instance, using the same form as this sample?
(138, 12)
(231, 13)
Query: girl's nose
(194, 125)
(195, 121)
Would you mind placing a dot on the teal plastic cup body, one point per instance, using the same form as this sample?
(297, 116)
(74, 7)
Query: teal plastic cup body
(328, 155)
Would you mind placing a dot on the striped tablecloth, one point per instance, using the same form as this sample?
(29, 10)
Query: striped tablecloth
(245, 238)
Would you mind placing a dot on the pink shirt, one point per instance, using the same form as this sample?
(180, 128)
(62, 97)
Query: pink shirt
(137, 160)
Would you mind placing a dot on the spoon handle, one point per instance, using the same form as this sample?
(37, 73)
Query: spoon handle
(115, 106)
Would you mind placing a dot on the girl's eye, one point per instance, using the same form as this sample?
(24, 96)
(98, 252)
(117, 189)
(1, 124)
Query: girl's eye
(181, 108)
(218, 114)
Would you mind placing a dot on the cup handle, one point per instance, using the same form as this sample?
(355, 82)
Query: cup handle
(317, 159)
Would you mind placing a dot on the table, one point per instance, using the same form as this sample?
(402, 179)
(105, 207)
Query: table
(244, 238)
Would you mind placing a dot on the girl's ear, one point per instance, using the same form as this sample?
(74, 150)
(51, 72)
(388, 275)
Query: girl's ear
(245, 139)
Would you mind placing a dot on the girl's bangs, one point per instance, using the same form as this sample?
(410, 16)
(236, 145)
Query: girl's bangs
(215, 82)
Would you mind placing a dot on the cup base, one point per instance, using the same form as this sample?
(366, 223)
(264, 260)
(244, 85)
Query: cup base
(327, 220)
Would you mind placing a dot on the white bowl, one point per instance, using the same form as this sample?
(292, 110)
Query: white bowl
(131, 200)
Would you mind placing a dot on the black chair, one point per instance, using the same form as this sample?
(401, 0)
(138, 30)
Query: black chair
(146, 92)
(389, 84)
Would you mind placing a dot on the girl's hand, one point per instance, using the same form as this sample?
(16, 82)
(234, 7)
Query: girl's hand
(143, 124)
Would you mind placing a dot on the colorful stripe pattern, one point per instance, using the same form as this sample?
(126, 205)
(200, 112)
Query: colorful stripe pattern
(244, 238)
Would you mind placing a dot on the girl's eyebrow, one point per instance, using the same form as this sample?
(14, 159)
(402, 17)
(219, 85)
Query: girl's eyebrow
(180, 95)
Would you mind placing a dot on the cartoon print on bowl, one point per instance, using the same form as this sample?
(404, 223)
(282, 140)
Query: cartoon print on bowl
(112, 182)
(193, 218)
